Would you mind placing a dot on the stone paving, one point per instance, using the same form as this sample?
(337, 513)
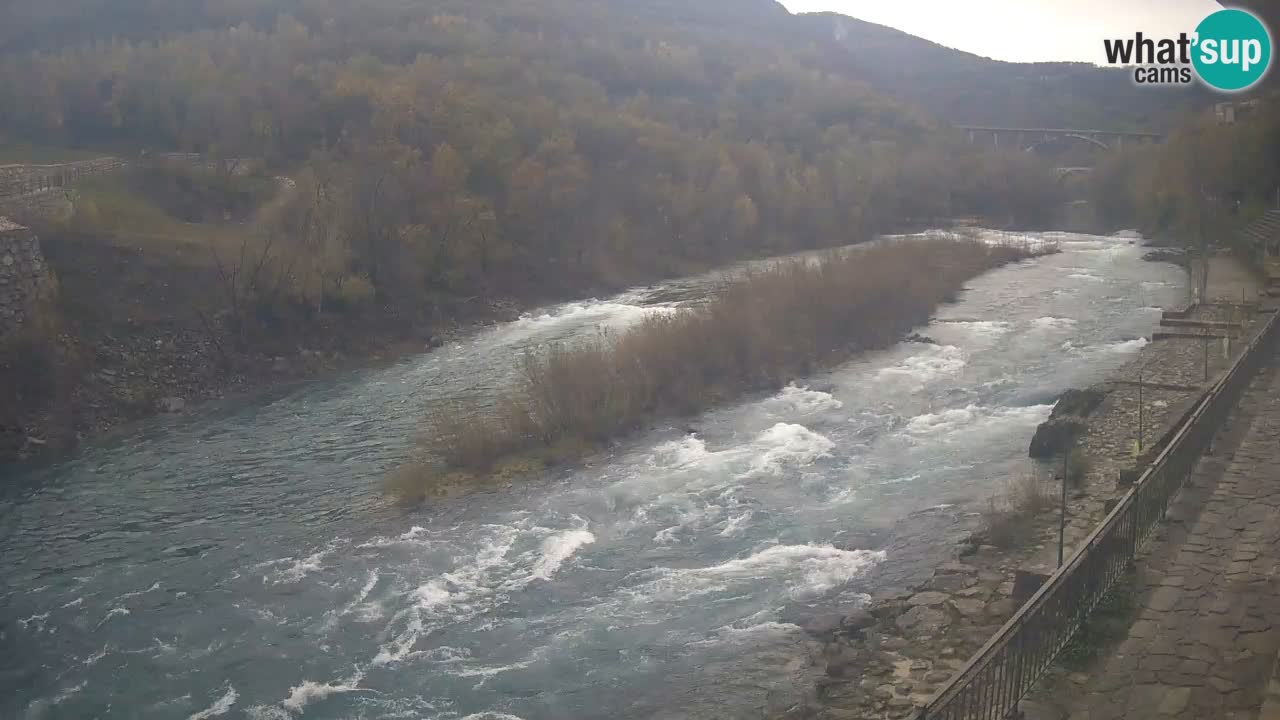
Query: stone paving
(1205, 641)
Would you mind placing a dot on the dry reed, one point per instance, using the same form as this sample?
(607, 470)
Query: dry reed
(762, 330)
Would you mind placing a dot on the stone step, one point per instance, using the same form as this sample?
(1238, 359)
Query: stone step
(1201, 324)
(1186, 336)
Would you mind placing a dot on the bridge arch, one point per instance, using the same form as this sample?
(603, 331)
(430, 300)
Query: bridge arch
(1069, 136)
(1104, 139)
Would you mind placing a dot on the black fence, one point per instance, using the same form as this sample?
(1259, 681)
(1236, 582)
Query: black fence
(1000, 674)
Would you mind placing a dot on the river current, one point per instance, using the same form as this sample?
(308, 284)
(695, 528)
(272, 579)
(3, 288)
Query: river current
(242, 562)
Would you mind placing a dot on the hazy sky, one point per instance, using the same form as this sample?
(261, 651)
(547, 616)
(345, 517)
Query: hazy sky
(1024, 30)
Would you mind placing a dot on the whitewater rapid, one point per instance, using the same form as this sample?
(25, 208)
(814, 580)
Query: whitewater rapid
(241, 561)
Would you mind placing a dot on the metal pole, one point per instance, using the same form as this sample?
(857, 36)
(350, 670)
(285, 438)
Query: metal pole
(1141, 413)
(1062, 508)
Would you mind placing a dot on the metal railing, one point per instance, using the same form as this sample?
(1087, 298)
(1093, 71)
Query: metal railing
(997, 677)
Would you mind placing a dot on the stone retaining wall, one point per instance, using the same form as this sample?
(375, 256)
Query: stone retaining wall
(24, 277)
(26, 208)
(17, 180)
(31, 191)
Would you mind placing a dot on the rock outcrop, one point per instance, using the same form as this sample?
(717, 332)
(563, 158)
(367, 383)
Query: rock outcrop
(1056, 435)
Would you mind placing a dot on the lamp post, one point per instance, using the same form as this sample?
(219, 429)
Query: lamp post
(1141, 413)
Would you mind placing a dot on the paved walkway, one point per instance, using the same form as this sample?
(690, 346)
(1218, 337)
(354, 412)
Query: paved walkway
(1230, 281)
(1205, 642)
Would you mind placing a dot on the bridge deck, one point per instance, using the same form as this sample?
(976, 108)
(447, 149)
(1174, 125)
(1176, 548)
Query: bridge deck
(1061, 131)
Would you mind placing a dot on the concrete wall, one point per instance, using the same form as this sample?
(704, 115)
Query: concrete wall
(24, 277)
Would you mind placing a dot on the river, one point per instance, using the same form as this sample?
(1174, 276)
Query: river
(241, 561)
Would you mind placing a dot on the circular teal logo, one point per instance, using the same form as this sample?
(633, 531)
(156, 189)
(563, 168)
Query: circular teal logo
(1232, 51)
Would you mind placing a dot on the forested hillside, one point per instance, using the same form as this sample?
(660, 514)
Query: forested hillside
(1202, 185)
(446, 146)
(411, 160)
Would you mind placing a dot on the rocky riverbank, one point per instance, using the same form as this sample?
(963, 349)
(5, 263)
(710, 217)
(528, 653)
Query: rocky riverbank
(888, 658)
(112, 378)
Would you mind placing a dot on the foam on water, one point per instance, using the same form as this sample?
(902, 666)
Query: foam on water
(449, 596)
(936, 362)
(1053, 323)
(112, 613)
(268, 712)
(789, 446)
(37, 620)
(1127, 346)
(154, 587)
(66, 695)
(794, 399)
(473, 588)
(219, 707)
(983, 329)
(94, 658)
(751, 633)
(301, 695)
(945, 421)
(611, 314)
(558, 548)
(298, 568)
(415, 536)
(685, 452)
(358, 607)
(488, 672)
(691, 509)
(806, 570)
(736, 524)
(1025, 414)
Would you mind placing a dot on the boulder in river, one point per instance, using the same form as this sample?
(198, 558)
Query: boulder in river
(1078, 403)
(1056, 435)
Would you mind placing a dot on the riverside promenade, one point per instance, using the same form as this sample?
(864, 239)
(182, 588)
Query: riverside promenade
(1205, 635)
(891, 658)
